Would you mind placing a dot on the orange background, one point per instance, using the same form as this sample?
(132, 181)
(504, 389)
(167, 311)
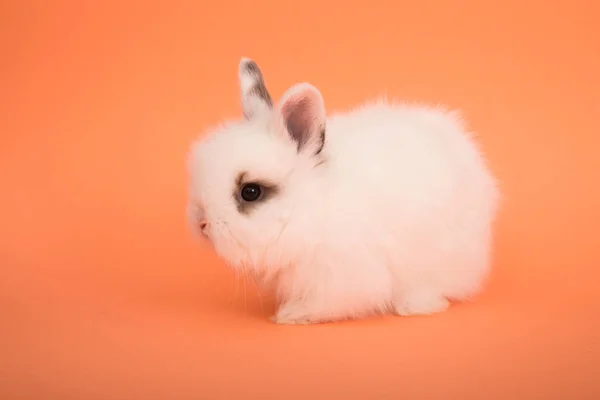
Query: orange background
(105, 295)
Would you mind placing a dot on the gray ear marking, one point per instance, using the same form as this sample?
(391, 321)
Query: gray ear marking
(255, 96)
(321, 140)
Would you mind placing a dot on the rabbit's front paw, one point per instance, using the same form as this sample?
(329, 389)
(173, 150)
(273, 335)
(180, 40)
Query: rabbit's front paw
(420, 303)
(293, 314)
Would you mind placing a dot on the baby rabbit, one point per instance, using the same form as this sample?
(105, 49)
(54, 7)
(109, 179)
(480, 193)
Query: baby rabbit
(388, 208)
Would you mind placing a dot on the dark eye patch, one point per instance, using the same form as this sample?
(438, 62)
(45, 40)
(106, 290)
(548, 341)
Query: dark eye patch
(267, 191)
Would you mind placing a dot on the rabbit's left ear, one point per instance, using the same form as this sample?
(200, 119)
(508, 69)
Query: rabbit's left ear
(302, 113)
(255, 96)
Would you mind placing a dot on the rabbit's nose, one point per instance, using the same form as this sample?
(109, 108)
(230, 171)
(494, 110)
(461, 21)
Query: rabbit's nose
(203, 225)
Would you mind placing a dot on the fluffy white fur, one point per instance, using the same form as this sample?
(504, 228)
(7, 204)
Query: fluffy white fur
(394, 215)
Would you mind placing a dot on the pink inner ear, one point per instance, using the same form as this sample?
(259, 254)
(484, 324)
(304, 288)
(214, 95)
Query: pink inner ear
(298, 117)
(303, 115)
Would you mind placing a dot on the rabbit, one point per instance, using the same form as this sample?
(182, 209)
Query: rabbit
(387, 209)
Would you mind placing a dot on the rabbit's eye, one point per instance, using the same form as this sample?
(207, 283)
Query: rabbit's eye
(251, 192)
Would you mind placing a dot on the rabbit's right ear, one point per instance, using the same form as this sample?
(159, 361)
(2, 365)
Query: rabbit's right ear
(255, 96)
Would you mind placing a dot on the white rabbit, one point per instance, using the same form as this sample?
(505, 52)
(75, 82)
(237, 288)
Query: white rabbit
(384, 209)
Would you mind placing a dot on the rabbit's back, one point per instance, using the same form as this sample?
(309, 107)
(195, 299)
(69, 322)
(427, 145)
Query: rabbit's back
(415, 181)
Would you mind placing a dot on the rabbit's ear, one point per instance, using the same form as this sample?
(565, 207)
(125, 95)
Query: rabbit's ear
(255, 97)
(302, 113)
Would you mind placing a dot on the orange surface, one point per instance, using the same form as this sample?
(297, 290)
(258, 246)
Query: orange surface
(105, 295)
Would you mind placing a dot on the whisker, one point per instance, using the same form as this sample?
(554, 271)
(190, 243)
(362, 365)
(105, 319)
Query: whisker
(262, 311)
(245, 293)
(235, 287)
